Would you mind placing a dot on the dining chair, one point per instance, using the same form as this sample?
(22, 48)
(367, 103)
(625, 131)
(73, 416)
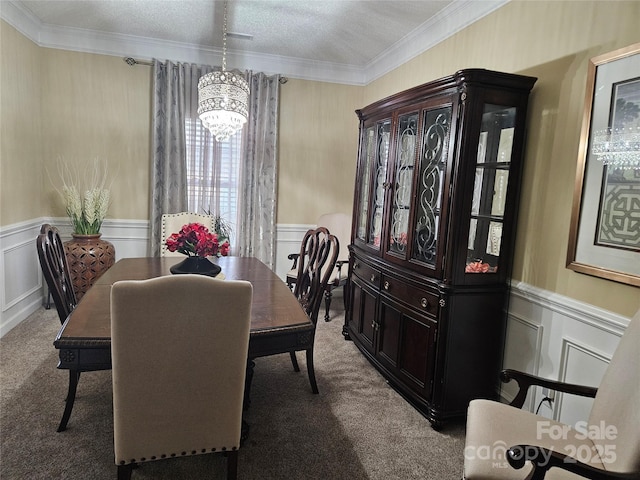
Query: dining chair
(173, 222)
(179, 348)
(339, 224)
(505, 442)
(316, 261)
(55, 270)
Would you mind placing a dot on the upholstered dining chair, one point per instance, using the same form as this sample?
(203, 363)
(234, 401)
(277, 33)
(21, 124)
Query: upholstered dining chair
(173, 222)
(317, 258)
(505, 442)
(179, 352)
(339, 224)
(55, 270)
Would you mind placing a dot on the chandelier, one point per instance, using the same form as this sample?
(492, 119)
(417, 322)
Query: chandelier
(619, 147)
(223, 97)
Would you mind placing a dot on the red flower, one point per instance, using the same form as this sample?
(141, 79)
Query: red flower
(194, 239)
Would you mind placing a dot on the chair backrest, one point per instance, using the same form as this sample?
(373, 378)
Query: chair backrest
(617, 404)
(179, 352)
(55, 269)
(173, 222)
(339, 224)
(318, 255)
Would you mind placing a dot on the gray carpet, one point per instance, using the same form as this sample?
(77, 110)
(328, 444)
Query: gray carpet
(356, 428)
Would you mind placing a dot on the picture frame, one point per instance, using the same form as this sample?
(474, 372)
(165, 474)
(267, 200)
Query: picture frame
(612, 78)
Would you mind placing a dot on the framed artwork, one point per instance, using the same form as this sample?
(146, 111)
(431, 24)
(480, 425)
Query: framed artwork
(604, 237)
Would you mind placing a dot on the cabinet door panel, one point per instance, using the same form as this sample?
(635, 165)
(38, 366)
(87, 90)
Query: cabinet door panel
(406, 345)
(363, 314)
(389, 334)
(417, 352)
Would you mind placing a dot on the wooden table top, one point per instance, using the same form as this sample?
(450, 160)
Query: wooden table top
(274, 307)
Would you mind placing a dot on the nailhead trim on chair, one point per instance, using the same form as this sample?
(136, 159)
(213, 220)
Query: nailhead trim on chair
(172, 455)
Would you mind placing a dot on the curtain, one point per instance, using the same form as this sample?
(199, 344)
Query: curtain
(168, 170)
(256, 236)
(178, 135)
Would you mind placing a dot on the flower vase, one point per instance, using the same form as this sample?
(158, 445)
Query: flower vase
(88, 257)
(198, 265)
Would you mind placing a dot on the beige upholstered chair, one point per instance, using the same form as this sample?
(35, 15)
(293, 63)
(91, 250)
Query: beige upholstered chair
(339, 224)
(173, 222)
(179, 351)
(504, 442)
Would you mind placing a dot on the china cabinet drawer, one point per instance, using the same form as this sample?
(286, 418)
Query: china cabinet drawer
(367, 274)
(422, 300)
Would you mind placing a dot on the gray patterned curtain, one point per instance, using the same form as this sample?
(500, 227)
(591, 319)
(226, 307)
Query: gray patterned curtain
(256, 234)
(174, 99)
(168, 171)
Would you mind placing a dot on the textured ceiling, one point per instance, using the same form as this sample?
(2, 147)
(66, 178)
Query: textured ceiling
(345, 33)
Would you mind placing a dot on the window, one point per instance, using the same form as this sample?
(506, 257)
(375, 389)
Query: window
(213, 173)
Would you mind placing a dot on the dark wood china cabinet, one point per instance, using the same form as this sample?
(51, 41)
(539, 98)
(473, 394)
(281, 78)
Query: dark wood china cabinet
(436, 199)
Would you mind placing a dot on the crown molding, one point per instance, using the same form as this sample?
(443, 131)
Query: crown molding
(452, 19)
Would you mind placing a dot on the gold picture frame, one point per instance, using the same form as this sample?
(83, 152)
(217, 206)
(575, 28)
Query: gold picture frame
(619, 262)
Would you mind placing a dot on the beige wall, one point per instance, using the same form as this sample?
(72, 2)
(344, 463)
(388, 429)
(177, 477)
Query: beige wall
(552, 41)
(318, 146)
(95, 105)
(20, 128)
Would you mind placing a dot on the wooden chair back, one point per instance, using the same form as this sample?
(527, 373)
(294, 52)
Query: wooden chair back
(55, 270)
(318, 256)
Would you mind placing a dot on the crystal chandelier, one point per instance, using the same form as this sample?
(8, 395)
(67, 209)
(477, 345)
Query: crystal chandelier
(618, 147)
(223, 97)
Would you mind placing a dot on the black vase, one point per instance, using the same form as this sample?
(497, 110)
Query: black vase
(197, 265)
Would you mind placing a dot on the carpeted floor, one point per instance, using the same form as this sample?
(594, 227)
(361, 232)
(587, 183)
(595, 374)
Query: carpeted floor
(356, 428)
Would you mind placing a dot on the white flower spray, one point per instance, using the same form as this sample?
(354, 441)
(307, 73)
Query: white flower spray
(88, 212)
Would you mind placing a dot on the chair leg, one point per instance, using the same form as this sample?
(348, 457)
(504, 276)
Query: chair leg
(294, 361)
(232, 465)
(124, 471)
(327, 304)
(311, 371)
(74, 376)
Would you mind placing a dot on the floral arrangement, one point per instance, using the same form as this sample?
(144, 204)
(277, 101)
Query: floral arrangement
(88, 211)
(195, 240)
(479, 267)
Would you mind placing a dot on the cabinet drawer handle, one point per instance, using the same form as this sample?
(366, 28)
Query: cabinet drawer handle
(356, 265)
(424, 302)
(373, 277)
(386, 285)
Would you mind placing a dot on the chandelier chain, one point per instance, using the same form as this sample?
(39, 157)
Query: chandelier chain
(224, 39)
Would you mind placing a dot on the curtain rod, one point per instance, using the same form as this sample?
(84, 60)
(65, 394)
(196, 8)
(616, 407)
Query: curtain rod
(132, 62)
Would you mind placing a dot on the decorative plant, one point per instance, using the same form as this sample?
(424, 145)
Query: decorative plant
(87, 211)
(194, 239)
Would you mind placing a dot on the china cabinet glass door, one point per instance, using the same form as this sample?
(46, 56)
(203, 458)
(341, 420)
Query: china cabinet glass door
(433, 165)
(403, 182)
(363, 202)
(490, 189)
(381, 155)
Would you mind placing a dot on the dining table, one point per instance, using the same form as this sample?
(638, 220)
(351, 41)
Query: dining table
(278, 322)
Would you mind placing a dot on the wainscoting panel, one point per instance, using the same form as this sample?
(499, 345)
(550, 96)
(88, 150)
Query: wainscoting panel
(583, 365)
(522, 352)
